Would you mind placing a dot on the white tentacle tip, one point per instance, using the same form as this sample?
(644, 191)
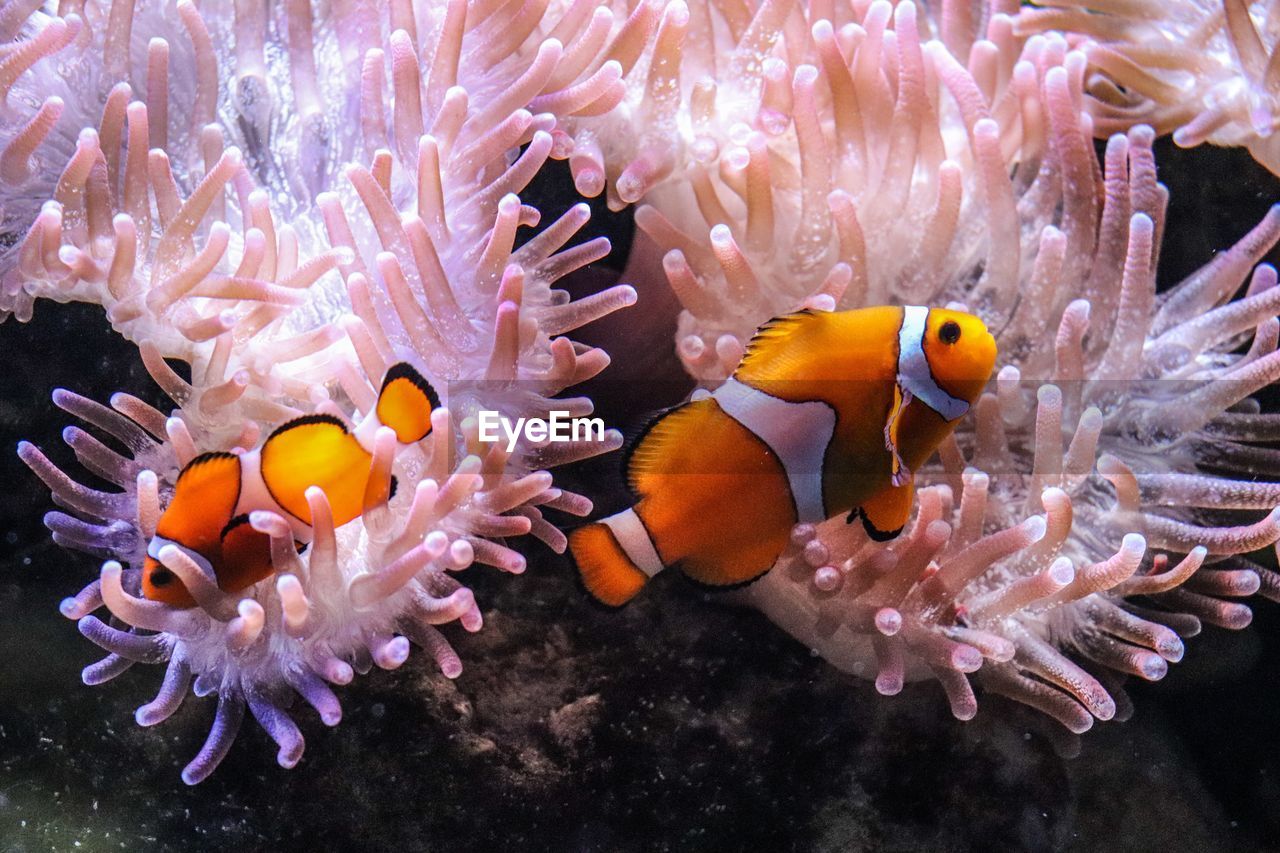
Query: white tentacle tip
(888, 621)
(1134, 543)
(1062, 572)
(1053, 496)
(1049, 394)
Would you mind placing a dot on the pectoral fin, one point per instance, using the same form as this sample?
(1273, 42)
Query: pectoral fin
(901, 399)
(885, 514)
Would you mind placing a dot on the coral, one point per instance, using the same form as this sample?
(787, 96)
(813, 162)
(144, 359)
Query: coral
(290, 262)
(1204, 70)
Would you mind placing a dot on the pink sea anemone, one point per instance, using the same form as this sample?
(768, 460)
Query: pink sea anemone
(290, 263)
(291, 201)
(848, 159)
(1204, 71)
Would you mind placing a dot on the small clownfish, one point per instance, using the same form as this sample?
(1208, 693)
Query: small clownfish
(208, 517)
(827, 413)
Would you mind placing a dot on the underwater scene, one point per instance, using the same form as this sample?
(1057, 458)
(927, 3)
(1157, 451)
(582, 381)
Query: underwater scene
(621, 425)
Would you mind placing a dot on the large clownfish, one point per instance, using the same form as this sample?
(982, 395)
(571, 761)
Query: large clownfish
(828, 413)
(208, 517)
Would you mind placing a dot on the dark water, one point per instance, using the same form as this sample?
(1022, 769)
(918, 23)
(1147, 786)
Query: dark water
(676, 724)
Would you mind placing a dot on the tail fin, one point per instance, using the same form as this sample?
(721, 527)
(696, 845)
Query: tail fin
(608, 572)
(405, 403)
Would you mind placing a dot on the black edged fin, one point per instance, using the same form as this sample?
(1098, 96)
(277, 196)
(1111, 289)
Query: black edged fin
(405, 370)
(885, 513)
(879, 535)
(204, 459)
(721, 587)
(233, 524)
(634, 436)
(395, 484)
(605, 569)
(648, 450)
(777, 331)
(876, 535)
(587, 595)
(307, 420)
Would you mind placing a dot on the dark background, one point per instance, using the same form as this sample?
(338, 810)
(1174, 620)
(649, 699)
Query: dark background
(674, 724)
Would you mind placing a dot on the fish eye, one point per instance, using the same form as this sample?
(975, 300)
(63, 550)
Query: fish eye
(161, 577)
(950, 332)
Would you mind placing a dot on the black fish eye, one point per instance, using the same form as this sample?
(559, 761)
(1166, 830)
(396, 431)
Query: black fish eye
(950, 332)
(161, 577)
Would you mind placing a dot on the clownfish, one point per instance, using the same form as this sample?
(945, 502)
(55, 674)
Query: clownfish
(829, 412)
(208, 517)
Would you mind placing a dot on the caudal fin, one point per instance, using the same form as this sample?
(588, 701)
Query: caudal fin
(405, 403)
(608, 573)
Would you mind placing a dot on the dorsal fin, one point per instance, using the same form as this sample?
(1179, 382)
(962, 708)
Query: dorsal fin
(242, 518)
(315, 450)
(307, 420)
(636, 435)
(406, 402)
(771, 340)
(204, 459)
(204, 498)
(651, 450)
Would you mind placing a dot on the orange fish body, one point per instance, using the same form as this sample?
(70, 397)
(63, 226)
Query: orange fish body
(208, 516)
(828, 413)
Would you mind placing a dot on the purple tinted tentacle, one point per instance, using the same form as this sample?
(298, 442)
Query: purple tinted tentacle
(315, 693)
(105, 419)
(152, 649)
(226, 725)
(281, 727)
(71, 494)
(105, 669)
(100, 459)
(435, 644)
(116, 538)
(172, 691)
(82, 603)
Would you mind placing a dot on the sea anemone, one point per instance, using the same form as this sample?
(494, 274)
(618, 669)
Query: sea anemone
(297, 202)
(854, 161)
(290, 238)
(1203, 70)
(844, 159)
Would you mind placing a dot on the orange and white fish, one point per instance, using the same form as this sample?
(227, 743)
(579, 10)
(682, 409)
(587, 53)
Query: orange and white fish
(828, 413)
(208, 517)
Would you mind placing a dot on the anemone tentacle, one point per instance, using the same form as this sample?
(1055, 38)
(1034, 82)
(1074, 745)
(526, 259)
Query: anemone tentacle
(216, 207)
(291, 202)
